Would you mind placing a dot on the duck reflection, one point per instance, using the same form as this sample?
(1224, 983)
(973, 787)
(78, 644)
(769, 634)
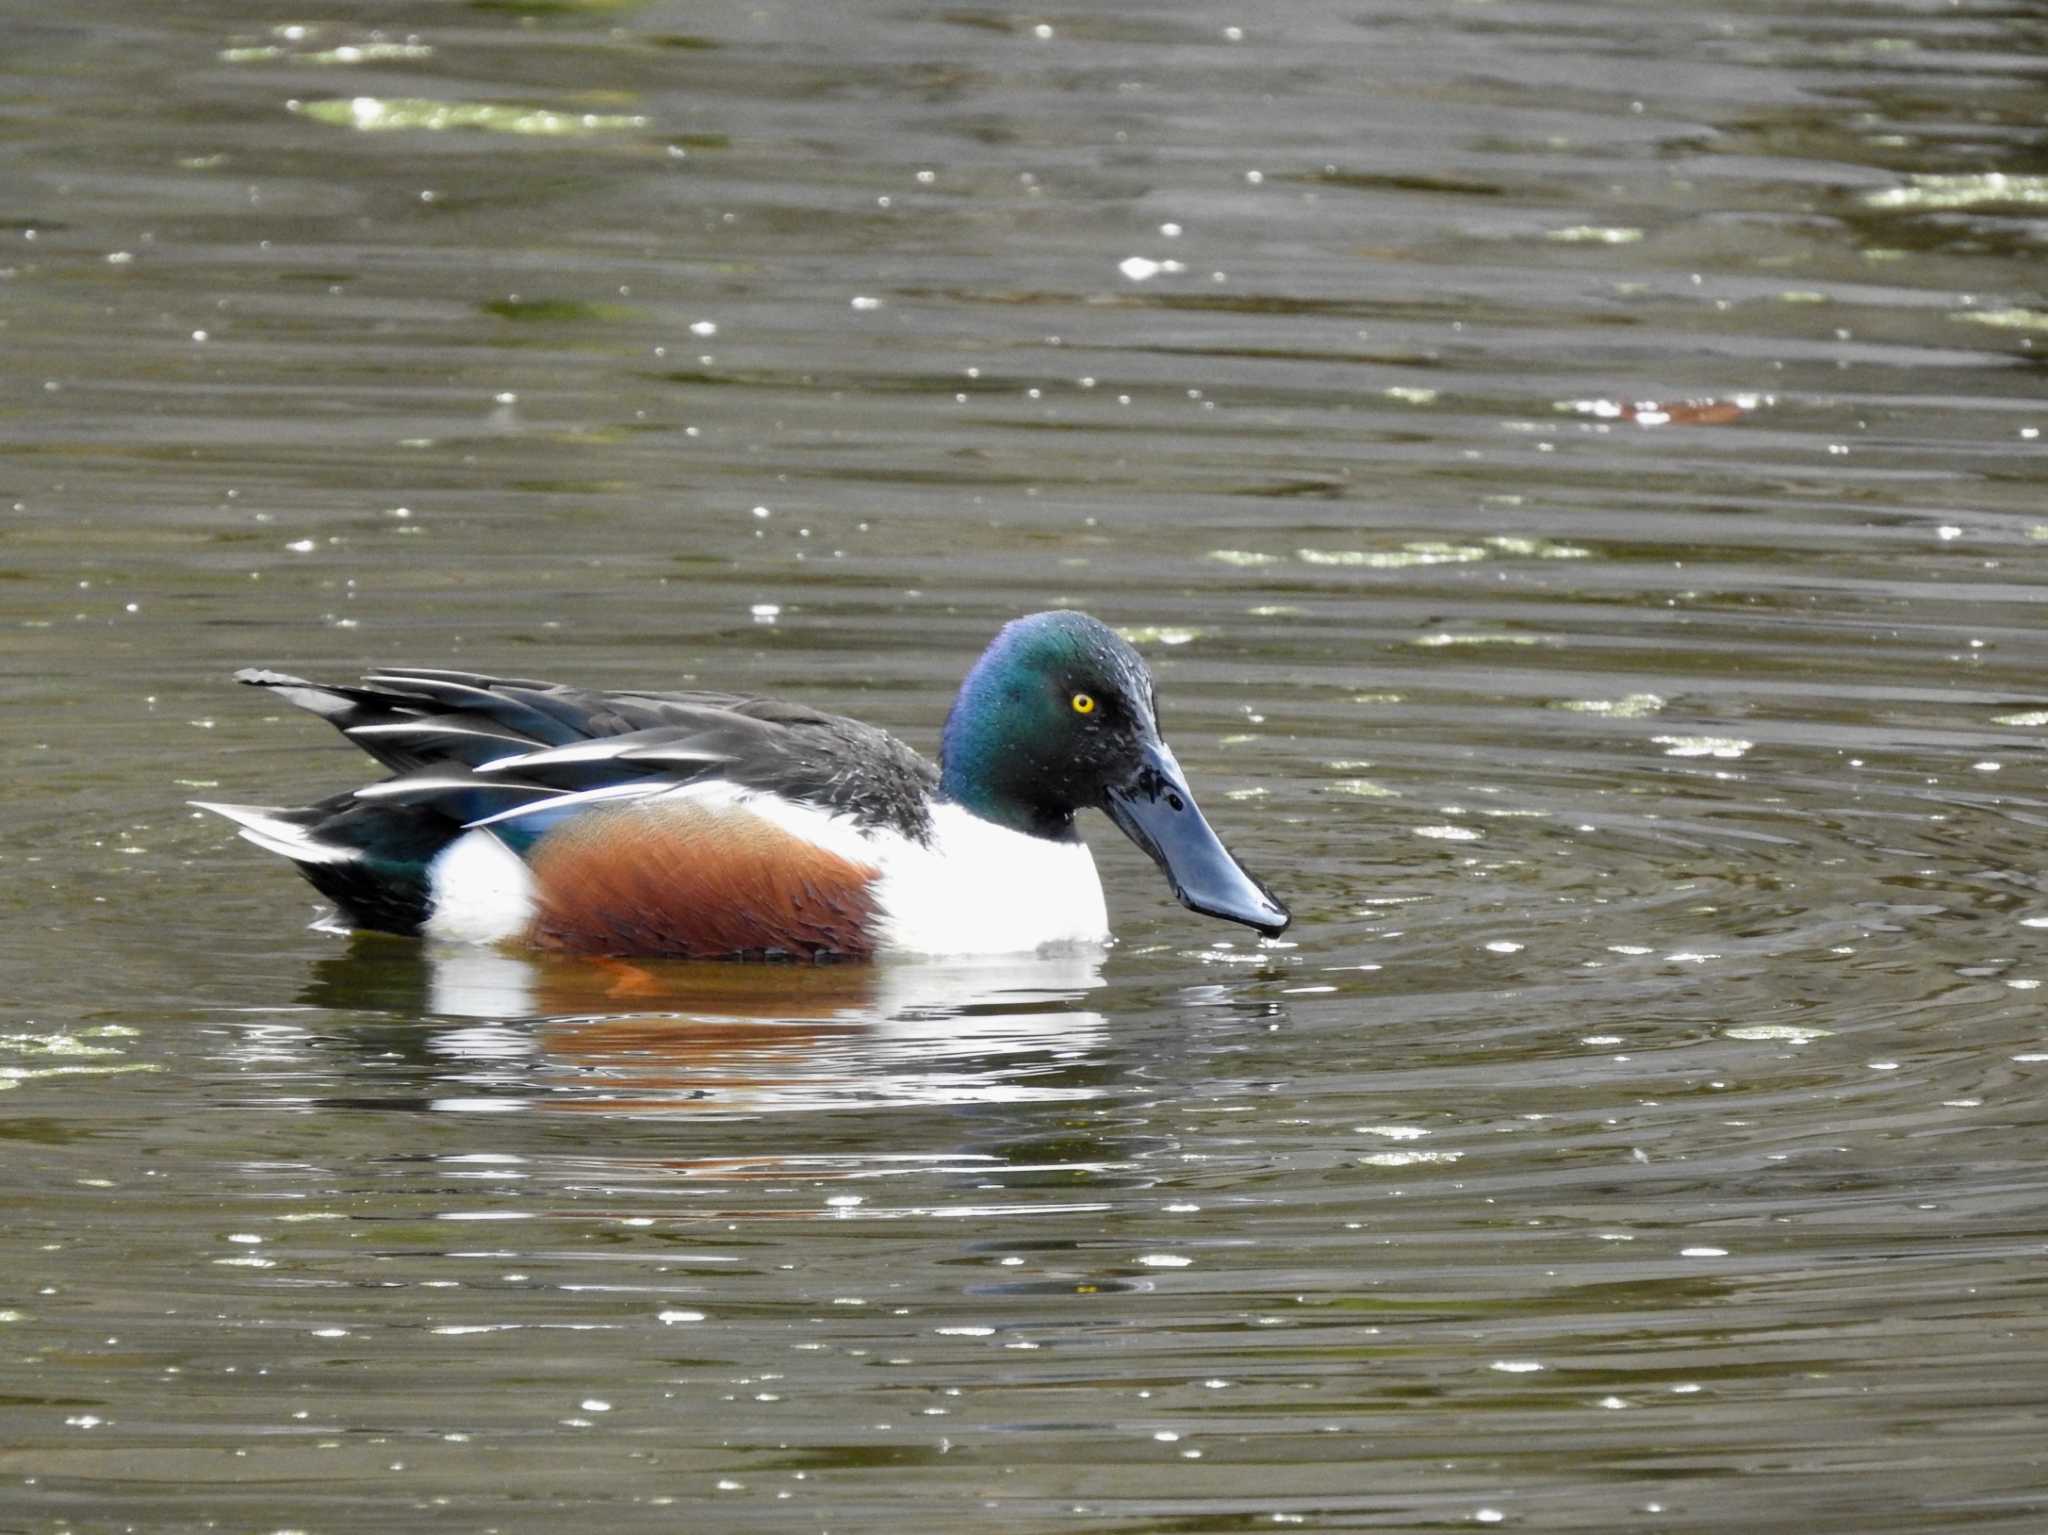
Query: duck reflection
(513, 1032)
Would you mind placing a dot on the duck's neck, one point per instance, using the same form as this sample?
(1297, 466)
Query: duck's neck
(983, 770)
(1013, 815)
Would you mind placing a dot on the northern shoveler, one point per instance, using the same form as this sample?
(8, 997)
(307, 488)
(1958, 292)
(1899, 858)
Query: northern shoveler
(713, 826)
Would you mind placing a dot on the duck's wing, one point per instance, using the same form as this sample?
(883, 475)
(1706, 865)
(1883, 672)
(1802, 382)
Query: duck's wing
(477, 747)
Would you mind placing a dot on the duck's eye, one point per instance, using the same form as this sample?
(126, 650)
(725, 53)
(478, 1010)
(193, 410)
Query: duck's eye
(1084, 703)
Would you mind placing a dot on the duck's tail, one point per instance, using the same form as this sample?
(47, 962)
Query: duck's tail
(375, 862)
(500, 757)
(290, 834)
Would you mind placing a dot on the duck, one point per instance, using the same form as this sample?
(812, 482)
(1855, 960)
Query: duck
(708, 825)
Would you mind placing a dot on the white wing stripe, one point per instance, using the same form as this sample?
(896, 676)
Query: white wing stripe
(421, 727)
(609, 749)
(422, 787)
(567, 801)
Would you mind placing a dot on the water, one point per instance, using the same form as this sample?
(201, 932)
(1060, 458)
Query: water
(1576, 471)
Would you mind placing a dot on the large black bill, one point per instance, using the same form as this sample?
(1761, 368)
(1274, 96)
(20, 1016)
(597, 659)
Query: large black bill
(1155, 810)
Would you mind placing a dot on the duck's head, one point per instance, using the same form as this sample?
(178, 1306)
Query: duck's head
(1060, 715)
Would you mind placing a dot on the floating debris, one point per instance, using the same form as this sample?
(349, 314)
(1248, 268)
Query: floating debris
(1931, 192)
(1244, 558)
(347, 53)
(1535, 548)
(1405, 557)
(1434, 552)
(2005, 319)
(1448, 833)
(1709, 411)
(1703, 746)
(1436, 641)
(376, 114)
(1363, 788)
(1594, 234)
(1631, 706)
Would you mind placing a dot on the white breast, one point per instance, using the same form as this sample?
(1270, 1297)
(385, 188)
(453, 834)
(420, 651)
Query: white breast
(980, 888)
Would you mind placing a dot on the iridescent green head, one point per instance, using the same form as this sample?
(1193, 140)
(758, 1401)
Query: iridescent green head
(1060, 715)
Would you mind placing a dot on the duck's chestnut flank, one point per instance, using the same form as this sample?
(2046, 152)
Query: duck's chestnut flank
(697, 881)
(712, 825)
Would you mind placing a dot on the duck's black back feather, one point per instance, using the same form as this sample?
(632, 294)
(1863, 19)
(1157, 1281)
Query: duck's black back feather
(463, 735)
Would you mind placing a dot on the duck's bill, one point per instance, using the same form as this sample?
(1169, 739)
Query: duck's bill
(1156, 811)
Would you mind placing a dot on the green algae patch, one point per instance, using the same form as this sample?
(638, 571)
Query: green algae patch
(559, 311)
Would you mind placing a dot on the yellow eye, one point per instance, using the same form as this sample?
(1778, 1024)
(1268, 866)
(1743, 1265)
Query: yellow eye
(1084, 703)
